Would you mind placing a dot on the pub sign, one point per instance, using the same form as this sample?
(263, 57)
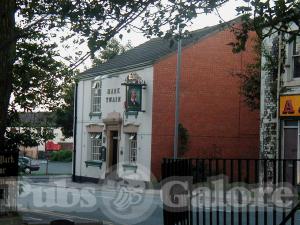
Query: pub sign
(134, 86)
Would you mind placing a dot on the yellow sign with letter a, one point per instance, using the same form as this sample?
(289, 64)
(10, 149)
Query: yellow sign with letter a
(290, 105)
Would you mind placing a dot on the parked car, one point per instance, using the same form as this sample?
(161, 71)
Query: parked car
(26, 165)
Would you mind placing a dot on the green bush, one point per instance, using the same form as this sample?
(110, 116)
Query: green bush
(61, 156)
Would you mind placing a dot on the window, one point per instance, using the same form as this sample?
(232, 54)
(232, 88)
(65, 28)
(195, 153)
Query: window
(4, 193)
(96, 97)
(95, 144)
(296, 58)
(132, 146)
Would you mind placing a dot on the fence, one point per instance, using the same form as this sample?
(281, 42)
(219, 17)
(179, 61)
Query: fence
(217, 208)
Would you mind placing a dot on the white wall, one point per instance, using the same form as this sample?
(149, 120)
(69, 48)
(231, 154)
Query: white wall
(143, 120)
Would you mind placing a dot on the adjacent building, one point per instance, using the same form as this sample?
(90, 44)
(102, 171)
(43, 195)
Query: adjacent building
(280, 135)
(126, 106)
(40, 120)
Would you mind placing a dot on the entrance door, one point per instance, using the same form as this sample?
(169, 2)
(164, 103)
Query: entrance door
(115, 142)
(290, 151)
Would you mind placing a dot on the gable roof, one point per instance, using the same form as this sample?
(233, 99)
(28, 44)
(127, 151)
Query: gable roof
(36, 119)
(148, 52)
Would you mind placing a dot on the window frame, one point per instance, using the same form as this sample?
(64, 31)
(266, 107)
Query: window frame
(132, 147)
(94, 146)
(96, 97)
(293, 56)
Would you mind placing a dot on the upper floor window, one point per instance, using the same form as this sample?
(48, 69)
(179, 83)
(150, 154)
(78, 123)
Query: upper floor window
(296, 58)
(96, 97)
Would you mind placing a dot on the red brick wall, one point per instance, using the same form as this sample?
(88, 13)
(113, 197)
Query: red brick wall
(211, 108)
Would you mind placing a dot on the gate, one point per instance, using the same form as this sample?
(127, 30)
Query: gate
(231, 191)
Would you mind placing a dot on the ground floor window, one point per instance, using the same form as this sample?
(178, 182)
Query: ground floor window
(3, 194)
(95, 140)
(132, 148)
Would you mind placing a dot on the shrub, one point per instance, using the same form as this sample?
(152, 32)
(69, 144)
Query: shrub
(61, 156)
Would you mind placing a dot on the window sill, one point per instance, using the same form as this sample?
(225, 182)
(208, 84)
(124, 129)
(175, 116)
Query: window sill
(130, 167)
(95, 163)
(131, 113)
(93, 114)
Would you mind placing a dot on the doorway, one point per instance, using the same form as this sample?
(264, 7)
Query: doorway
(113, 148)
(115, 142)
(290, 148)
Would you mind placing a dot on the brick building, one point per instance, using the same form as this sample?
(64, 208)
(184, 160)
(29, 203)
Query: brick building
(211, 107)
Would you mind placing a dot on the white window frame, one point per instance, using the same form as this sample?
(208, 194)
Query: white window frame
(293, 55)
(96, 97)
(132, 148)
(95, 142)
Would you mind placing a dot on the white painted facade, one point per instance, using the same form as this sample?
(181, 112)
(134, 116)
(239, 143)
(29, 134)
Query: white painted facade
(113, 97)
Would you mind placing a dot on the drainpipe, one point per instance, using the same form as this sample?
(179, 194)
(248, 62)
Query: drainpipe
(74, 132)
(278, 153)
(177, 96)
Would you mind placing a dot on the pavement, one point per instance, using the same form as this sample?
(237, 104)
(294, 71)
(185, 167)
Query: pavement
(65, 181)
(40, 210)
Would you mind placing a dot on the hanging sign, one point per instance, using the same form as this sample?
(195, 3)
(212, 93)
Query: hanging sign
(134, 85)
(134, 98)
(290, 105)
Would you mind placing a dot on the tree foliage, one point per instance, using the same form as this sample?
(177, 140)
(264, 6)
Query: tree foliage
(250, 79)
(64, 115)
(112, 49)
(266, 17)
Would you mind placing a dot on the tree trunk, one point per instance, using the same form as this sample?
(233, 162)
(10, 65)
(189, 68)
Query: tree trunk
(7, 58)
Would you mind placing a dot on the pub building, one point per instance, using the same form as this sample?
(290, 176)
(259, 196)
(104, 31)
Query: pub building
(125, 108)
(280, 135)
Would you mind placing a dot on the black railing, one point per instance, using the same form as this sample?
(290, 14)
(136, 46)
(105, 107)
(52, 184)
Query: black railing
(291, 215)
(249, 174)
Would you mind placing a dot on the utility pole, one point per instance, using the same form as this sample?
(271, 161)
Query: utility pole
(177, 97)
(277, 154)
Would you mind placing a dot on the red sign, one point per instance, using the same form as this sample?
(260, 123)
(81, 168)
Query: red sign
(51, 146)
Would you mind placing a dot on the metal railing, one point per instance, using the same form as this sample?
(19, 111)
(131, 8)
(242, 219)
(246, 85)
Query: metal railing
(249, 173)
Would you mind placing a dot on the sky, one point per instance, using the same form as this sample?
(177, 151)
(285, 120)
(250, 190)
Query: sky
(227, 12)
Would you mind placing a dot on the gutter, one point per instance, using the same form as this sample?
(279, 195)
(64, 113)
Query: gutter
(74, 132)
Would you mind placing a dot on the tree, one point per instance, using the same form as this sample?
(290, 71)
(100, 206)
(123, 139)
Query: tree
(113, 48)
(64, 115)
(250, 79)
(266, 18)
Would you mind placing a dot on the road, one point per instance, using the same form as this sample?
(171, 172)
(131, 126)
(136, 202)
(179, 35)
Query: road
(35, 211)
(44, 200)
(54, 168)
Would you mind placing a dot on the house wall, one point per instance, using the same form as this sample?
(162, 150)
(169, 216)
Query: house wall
(211, 108)
(143, 121)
